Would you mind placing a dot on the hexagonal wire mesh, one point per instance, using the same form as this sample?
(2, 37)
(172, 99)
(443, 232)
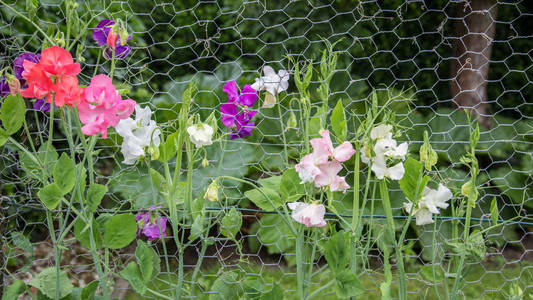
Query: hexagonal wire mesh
(442, 55)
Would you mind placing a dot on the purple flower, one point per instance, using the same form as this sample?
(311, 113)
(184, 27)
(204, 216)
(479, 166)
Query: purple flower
(149, 224)
(247, 97)
(238, 121)
(41, 105)
(4, 87)
(18, 67)
(101, 35)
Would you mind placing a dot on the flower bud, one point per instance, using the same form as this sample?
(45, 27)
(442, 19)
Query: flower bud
(205, 163)
(154, 152)
(292, 123)
(212, 191)
(112, 37)
(13, 83)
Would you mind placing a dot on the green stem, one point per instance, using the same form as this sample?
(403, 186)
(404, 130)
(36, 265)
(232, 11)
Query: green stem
(56, 251)
(112, 71)
(284, 139)
(300, 272)
(355, 210)
(319, 290)
(390, 219)
(197, 267)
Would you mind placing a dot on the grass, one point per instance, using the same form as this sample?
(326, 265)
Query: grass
(482, 281)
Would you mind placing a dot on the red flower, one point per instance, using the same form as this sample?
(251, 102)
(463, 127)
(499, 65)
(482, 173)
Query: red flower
(67, 91)
(56, 61)
(39, 85)
(55, 73)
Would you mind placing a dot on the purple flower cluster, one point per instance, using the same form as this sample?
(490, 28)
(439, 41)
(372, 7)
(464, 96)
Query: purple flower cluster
(104, 37)
(150, 222)
(18, 69)
(235, 113)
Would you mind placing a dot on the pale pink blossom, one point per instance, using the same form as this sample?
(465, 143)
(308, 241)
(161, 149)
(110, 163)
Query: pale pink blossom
(323, 148)
(307, 168)
(310, 215)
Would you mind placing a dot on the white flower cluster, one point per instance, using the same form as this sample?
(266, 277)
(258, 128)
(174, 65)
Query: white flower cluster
(274, 83)
(429, 204)
(385, 148)
(138, 134)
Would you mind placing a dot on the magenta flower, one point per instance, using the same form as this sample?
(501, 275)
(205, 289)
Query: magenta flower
(104, 36)
(149, 224)
(235, 113)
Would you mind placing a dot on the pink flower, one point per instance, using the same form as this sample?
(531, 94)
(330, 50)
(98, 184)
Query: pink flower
(311, 215)
(318, 167)
(102, 106)
(150, 224)
(323, 147)
(328, 177)
(308, 168)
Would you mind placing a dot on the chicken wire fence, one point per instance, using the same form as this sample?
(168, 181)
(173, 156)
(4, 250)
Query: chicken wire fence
(432, 57)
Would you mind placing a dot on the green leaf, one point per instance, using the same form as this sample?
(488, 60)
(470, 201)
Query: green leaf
(338, 122)
(275, 293)
(272, 182)
(14, 290)
(276, 233)
(22, 242)
(119, 231)
(348, 285)
(264, 198)
(411, 179)
(87, 293)
(231, 223)
(291, 189)
(46, 282)
(64, 174)
(476, 245)
(95, 194)
(253, 287)
(12, 113)
(226, 286)
(50, 195)
(145, 260)
(337, 252)
(168, 150)
(197, 228)
(3, 137)
(132, 274)
(159, 181)
(494, 213)
(82, 181)
(427, 273)
(81, 233)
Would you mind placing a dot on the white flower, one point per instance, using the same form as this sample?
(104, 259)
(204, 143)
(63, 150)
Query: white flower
(380, 131)
(311, 215)
(385, 148)
(380, 169)
(138, 134)
(429, 204)
(200, 134)
(273, 83)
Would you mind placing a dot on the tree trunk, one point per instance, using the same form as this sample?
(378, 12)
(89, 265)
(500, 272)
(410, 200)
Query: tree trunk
(472, 49)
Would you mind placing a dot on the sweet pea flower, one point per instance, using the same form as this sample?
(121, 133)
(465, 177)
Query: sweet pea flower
(41, 105)
(429, 204)
(273, 83)
(318, 168)
(150, 224)
(106, 34)
(235, 114)
(138, 134)
(246, 97)
(310, 215)
(200, 134)
(102, 106)
(385, 149)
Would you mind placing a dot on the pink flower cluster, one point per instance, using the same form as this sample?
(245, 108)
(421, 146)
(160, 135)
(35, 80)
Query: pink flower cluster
(102, 106)
(318, 168)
